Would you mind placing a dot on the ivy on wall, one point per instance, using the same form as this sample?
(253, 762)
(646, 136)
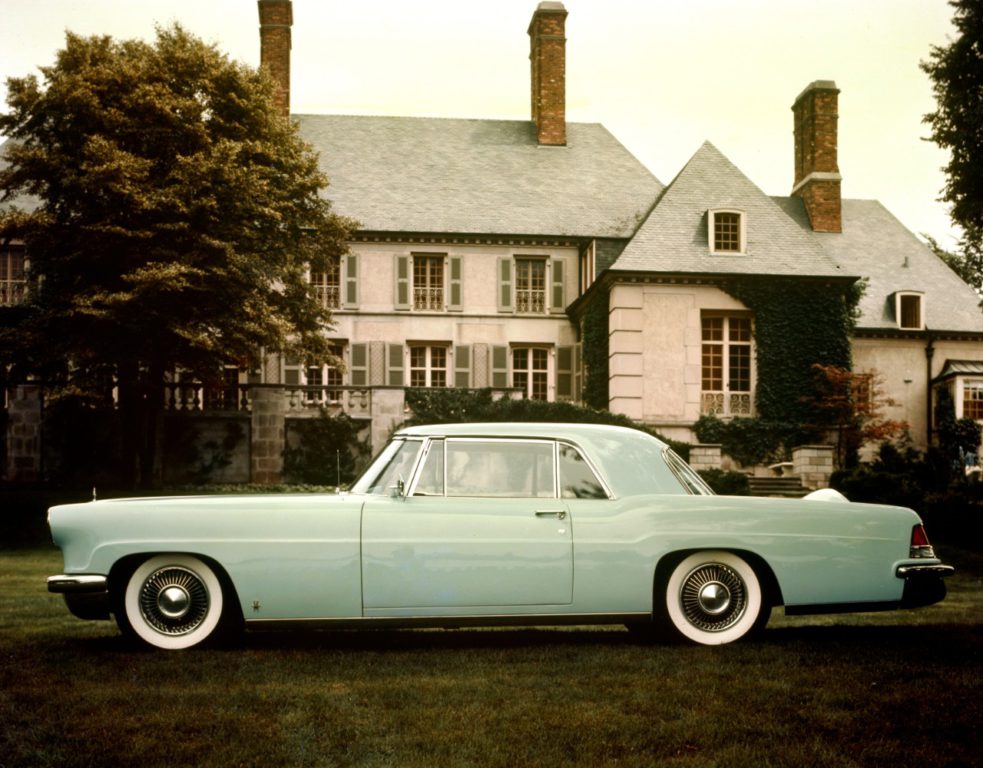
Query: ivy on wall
(594, 336)
(797, 323)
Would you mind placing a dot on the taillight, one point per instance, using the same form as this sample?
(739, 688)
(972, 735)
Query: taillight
(920, 546)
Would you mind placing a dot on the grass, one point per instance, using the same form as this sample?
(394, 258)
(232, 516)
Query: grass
(900, 688)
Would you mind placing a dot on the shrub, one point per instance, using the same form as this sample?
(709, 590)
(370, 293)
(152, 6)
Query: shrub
(325, 450)
(726, 483)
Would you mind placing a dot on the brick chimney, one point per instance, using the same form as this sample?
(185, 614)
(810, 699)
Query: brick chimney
(547, 55)
(817, 175)
(275, 19)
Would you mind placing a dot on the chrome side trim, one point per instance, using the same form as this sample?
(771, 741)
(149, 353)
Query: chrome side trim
(451, 622)
(78, 583)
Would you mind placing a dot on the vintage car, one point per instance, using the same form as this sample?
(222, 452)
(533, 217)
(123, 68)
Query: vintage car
(489, 524)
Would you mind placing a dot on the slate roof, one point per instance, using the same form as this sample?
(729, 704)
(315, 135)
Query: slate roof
(780, 241)
(879, 247)
(439, 175)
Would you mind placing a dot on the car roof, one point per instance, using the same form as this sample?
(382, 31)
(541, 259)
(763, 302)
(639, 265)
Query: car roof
(543, 430)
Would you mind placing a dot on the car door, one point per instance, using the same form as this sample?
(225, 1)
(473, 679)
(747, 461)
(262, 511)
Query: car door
(480, 530)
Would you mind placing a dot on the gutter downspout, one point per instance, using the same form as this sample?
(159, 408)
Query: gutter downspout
(929, 354)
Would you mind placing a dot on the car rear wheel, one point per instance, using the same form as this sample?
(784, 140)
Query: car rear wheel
(173, 601)
(712, 598)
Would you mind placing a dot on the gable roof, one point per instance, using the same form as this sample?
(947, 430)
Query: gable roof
(674, 238)
(439, 175)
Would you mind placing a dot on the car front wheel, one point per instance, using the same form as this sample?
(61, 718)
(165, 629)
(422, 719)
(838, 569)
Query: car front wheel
(173, 601)
(712, 598)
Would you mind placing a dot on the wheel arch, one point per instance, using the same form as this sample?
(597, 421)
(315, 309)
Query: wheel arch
(123, 568)
(772, 591)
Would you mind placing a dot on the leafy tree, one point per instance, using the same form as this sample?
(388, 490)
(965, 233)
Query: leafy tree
(851, 405)
(956, 71)
(178, 214)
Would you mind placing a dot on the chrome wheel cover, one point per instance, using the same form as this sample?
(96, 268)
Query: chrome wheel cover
(174, 600)
(713, 597)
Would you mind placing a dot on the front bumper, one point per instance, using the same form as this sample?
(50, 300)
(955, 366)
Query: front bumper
(923, 584)
(86, 595)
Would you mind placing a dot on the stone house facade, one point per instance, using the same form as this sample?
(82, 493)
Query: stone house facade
(483, 244)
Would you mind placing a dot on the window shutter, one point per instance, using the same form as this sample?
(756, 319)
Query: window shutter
(394, 365)
(462, 367)
(578, 372)
(557, 299)
(564, 373)
(500, 367)
(360, 365)
(455, 298)
(505, 284)
(402, 268)
(351, 282)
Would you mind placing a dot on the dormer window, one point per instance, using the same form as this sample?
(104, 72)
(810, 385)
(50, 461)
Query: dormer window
(726, 230)
(909, 310)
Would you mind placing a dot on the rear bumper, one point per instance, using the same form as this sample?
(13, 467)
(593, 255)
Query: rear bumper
(923, 584)
(86, 595)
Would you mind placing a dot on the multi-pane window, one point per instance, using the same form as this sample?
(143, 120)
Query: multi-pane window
(428, 366)
(327, 284)
(726, 365)
(726, 230)
(530, 372)
(13, 279)
(973, 400)
(428, 282)
(322, 381)
(530, 285)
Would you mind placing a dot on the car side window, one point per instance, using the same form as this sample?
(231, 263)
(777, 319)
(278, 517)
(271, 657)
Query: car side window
(431, 481)
(392, 467)
(577, 479)
(500, 468)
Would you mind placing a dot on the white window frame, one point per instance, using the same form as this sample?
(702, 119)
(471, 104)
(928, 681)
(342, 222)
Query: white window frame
(328, 295)
(440, 303)
(712, 231)
(428, 369)
(899, 299)
(549, 371)
(527, 260)
(725, 402)
(320, 376)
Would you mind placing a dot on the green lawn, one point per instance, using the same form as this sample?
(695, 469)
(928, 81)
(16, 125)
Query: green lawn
(898, 689)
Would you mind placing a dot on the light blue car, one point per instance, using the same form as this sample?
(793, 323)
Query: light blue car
(490, 524)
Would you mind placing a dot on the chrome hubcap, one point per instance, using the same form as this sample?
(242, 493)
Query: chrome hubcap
(174, 601)
(713, 597)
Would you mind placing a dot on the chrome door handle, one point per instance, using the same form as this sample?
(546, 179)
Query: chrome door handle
(559, 514)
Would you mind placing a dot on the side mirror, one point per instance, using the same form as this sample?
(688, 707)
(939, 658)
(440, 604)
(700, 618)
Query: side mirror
(399, 489)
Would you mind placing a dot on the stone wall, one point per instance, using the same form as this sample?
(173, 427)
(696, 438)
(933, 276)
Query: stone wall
(23, 434)
(813, 464)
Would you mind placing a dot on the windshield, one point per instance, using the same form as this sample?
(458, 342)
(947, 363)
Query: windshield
(394, 464)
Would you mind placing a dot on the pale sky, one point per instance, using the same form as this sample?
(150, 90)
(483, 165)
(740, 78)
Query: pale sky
(662, 75)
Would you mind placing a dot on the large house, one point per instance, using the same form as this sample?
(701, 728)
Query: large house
(539, 255)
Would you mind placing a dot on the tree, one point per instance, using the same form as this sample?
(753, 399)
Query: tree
(956, 71)
(851, 405)
(179, 213)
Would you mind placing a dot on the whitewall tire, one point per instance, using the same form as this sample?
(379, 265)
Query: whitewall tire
(712, 598)
(173, 601)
